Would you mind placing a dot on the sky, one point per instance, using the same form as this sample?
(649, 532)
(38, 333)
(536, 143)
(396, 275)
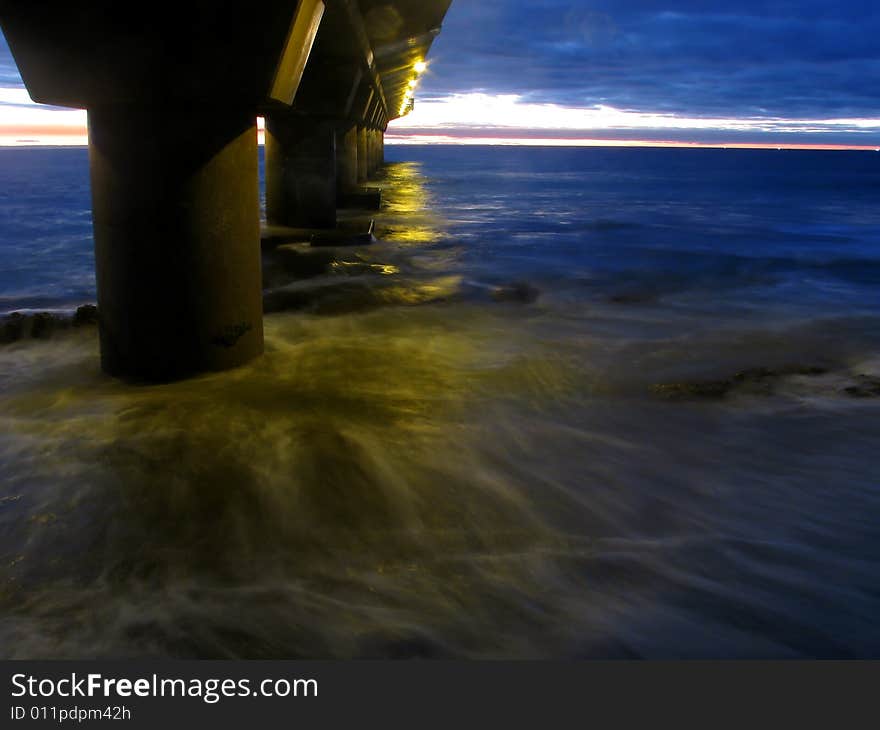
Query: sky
(745, 72)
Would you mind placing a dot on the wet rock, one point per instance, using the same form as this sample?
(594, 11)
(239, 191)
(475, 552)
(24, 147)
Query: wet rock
(520, 292)
(13, 328)
(868, 386)
(85, 315)
(700, 389)
(757, 374)
(286, 263)
(341, 297)
(286, 300)
(753, 380)
(43, 324)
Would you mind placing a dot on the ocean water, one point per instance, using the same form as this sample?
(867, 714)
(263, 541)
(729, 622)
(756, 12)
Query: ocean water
(574, 403)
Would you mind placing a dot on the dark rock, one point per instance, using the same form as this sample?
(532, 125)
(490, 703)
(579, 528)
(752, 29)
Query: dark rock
(271, 241)
(351, 233)
(43, 325)
(286, 263)
(868, 386)
(14, 328)
(520, 292)
(85, 315)
(286, 300)
(756, 374)
(712, 389)
(754, 380)
(341, 297)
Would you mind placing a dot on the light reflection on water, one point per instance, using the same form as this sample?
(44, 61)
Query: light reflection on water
(432, 471)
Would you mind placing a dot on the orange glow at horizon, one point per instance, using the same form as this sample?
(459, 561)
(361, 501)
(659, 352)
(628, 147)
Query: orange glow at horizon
(64, 136)
(45, 127)
(414, 138)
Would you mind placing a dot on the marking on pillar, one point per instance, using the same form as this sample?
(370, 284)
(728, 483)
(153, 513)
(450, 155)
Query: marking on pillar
(231, 334)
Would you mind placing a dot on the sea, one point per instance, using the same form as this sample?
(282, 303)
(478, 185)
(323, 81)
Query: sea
(573, 403)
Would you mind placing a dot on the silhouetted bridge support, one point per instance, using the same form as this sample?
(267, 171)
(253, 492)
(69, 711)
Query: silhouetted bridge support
(172, 101)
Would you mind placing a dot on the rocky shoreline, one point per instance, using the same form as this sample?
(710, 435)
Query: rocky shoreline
(759, 381)
(42, 325)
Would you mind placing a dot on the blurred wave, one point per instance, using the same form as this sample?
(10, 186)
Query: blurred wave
(455, 445)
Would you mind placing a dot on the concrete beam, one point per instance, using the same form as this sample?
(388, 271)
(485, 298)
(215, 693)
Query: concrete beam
(96, 53)
(175, 204)
(297, 47)
(359, 31)
(352, 94)
(363, 104)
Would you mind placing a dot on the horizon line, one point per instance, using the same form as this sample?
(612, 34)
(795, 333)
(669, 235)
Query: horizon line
(393, 141)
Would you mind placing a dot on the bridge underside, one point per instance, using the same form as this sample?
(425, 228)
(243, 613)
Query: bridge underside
(172, 102)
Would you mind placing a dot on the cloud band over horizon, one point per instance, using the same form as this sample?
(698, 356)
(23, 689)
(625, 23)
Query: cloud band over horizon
(750, 73)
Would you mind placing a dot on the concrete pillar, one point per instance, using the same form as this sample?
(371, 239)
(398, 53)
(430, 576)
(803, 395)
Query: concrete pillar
(363, 170)
(175, 201)
(300, 172)
(346, 160)
(371, 156)
(377, 149)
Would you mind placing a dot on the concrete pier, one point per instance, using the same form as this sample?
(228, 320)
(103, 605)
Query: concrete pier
(172, 102)
(175, 201)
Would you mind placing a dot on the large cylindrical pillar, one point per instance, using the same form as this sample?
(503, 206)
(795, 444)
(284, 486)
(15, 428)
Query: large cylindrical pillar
(300, 172)
(346, 160)
(363, 158)
(175, 200)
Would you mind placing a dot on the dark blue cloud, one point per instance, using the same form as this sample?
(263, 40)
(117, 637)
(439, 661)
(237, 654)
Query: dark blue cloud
(783, 58)
(776, 58)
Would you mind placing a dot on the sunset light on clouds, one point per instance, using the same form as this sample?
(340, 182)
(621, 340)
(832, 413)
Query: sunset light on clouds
(480, 118)
(509, 119)
(615, 73)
